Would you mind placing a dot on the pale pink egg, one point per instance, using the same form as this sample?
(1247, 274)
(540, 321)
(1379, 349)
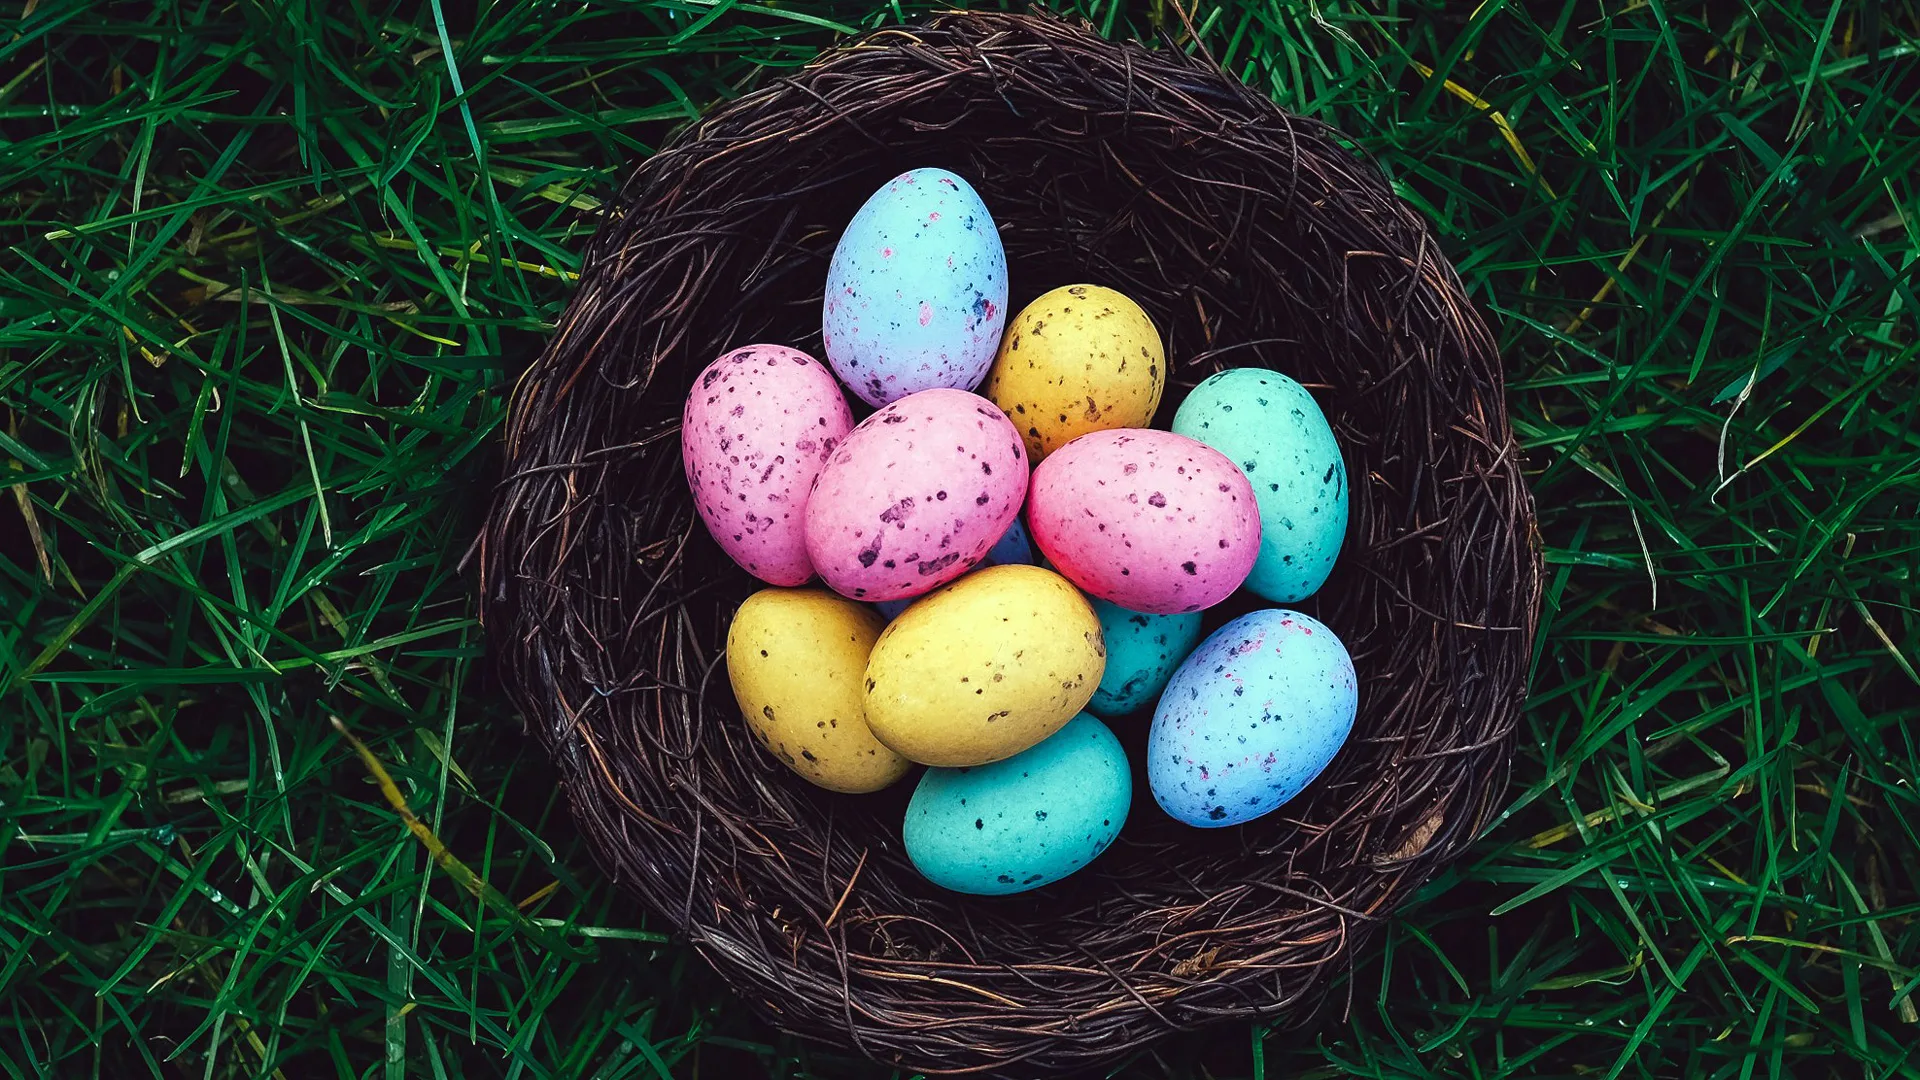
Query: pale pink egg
(759, 425)
(1150, 520)
(916, 495)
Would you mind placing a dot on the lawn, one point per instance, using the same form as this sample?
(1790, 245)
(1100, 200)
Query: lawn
(272, 269)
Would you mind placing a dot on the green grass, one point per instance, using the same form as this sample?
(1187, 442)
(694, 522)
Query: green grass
(270, 267)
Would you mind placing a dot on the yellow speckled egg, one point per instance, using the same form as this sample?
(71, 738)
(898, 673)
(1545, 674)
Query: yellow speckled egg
(1080, 358)
(796, 658)
(981, 669)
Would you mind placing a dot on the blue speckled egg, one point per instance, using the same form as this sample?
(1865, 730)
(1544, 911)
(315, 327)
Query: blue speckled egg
(1142, 652)
(916, 295)
(1023, 822)
(1012, 547)
(1249, 720)
(1272, 428)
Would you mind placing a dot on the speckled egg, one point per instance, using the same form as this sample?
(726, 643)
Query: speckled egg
(1012, 547)
(984, 668)
(1149, 520)
(916, 294)
(1142, 652)
(1258, 710)
(1272, 428)
(915, 496)
(1024, 822)
(796, 658)
(757, 428)
(1080, 358)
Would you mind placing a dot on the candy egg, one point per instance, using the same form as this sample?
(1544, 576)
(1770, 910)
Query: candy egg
(916, 294)
(1272, 428)
(1012, 547)
(758, 426)
(1021, 823)
(1142, 652)
(984, 668)
(796, 658)
(915, 496)
(1150, 520)
(1258, 710)
(1080, 358)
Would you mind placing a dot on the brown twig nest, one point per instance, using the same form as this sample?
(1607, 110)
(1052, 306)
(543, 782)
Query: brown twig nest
(1253, 238)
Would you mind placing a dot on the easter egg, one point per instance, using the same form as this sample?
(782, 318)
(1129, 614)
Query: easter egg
(797, 658)
(1080, 358)
(1142, 652)
(1012, 547)
(1149, 520)
(1251, 717)
(915, 495)
(916, 294)
(984, 668)
(1272, 428)
(757, 428)
(1023, 822)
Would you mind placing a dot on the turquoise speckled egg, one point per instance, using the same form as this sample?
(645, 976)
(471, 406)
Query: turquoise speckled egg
(1271, 427)
(1258, 710)
(1142, 652)
(1023, 822)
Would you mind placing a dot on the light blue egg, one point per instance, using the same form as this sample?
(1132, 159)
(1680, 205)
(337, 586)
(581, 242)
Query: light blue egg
(1142, 652)
(1273, 429)
(1258, 710)
(1021, 823)
(916, 294)
(1012, 547)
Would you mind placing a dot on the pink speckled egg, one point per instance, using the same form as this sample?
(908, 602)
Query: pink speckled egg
(1150, 520)
(759, 425)
(916, 495)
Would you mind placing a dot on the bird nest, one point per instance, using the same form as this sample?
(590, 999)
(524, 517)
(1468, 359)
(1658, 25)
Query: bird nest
(1252, 237)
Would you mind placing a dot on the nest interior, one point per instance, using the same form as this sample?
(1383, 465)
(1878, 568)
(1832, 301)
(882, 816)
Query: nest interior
(1252, 238)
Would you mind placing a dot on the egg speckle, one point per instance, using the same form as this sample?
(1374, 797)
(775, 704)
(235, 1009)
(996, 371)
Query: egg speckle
(916, 294)
(1024, 822)
(1272, 426)
(1149, 520)
(1250, 719)
(915, 496)
(759, 425)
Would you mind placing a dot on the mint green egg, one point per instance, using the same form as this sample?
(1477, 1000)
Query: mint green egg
(1273, 429)
(1142, 653)
(1023, 822)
